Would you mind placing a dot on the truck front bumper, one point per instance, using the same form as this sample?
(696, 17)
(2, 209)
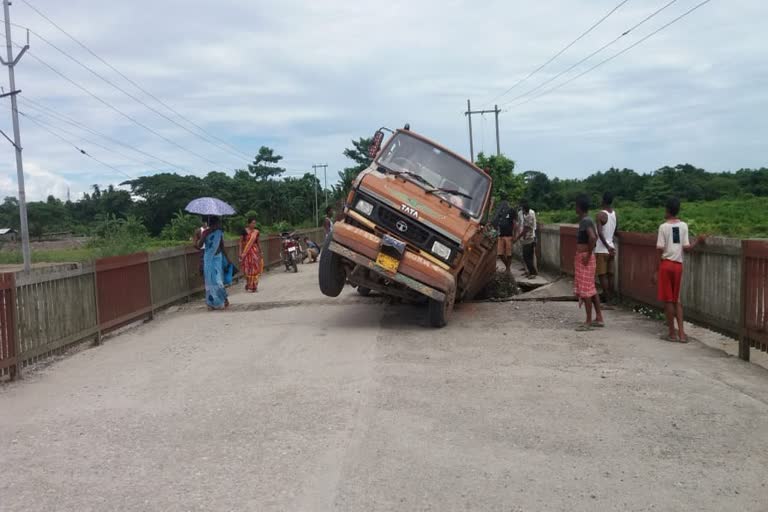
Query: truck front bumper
(415, 272)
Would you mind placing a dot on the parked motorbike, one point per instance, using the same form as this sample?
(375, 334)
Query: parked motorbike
(290, 252)
(303, 252)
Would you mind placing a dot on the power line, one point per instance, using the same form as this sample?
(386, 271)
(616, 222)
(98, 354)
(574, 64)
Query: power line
(132, 82)
(133, 97)
(599, 50)
(92, 142)
(558, 54)
(78, 149)
(117, 110)
(66, 119)
(614, 56)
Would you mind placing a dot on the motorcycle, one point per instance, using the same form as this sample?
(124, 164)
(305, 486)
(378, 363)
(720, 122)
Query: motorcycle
(290, 252)
(303, 253)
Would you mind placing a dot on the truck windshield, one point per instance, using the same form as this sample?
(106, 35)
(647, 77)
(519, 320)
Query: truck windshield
(457, 182)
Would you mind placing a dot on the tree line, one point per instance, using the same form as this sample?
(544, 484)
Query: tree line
(685, 181)
(156, 202)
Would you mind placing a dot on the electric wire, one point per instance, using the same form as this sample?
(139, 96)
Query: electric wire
(133, 97)
(117, 110)
(74, 145)
(558, 54)
(596, 52)
(48, 111)
(614, 56)
(129, 80)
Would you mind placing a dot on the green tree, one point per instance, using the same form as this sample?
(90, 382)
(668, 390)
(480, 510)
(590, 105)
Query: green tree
(264, 166)
(358, 153)
(502, 170)
(162, 195)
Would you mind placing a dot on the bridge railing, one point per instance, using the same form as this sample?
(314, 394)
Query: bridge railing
(47, 310)
(725, 281)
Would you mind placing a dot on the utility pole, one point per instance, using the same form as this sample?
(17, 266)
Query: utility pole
(469, 113)
(325, 178)
(11, 63)
(317, 221)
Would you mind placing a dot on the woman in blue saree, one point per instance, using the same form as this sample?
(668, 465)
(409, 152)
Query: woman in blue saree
(214, 262)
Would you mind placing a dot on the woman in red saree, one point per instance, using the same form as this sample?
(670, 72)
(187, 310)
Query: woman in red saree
(251, 261)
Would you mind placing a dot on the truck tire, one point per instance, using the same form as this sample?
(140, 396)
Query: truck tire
(439, 312)
(331, 273)
(362, 290)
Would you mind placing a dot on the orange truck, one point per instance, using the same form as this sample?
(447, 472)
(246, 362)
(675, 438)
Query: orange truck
(413, 228)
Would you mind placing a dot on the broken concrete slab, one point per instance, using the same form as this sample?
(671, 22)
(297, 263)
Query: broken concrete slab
(559, 290)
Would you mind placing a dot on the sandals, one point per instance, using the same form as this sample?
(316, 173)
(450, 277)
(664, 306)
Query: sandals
(584, 328)
(673, 339)
(598, 324)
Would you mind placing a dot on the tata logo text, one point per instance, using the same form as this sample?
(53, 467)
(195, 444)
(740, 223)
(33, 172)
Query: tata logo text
(411, 212)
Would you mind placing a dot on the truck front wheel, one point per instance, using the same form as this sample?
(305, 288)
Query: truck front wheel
(439, 312)
(331, 272)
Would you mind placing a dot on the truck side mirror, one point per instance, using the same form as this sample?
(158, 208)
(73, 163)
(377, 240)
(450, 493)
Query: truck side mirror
(375, 146)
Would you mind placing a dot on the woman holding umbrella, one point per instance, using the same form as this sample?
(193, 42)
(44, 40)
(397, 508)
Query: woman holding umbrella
(212, 243)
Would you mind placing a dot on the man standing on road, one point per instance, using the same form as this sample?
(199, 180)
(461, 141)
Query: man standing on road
(605, 250)
(528, 238)
(328, 221)
(672, 241)
(584, 266)
(504, 221)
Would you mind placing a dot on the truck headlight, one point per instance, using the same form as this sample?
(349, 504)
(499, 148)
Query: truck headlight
(364, 207)
(441, 250)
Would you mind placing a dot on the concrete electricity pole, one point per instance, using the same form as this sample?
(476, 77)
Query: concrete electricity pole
(325, 179)
(11, 63)
(469, 113)
(317, 220)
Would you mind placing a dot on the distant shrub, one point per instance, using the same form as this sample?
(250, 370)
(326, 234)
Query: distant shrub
(181, 227)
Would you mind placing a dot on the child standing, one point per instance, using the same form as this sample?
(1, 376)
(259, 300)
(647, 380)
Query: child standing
(671, 243)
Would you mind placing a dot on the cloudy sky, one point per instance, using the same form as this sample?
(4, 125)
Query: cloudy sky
(305, 77)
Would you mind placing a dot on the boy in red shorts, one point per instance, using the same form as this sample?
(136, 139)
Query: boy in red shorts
(670, 245)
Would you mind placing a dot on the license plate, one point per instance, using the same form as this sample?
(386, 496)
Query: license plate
(387, 262)
(291, 249)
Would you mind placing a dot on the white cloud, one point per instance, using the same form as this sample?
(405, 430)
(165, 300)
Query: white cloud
(306, 77)
(39, 184)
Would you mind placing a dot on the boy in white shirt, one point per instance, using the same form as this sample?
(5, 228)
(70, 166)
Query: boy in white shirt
(672, 241)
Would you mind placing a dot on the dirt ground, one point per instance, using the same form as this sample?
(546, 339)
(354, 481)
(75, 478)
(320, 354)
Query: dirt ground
(295, 402)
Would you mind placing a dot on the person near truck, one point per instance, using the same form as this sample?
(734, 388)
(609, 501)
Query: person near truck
(504, 222)
(672, 241)
(605, 250)
(313, 250)
(328, 221)
(584, 266)
(527, 238)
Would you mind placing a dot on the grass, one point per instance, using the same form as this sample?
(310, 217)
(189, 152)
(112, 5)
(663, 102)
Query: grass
(82, 254)
(737, 218)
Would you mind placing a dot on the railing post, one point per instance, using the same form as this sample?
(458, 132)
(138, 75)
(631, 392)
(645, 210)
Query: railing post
(743, 338)
(149, 280)
(185, 257)
(97, 340)
(16, 370)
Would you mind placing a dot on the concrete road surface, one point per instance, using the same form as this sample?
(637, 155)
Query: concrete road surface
(295, 402)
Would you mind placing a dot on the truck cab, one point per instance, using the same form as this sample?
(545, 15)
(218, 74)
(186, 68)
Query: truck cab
(412, 227)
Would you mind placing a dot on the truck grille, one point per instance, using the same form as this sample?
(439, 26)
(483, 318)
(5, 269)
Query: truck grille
(403, 226)
(408, 229)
